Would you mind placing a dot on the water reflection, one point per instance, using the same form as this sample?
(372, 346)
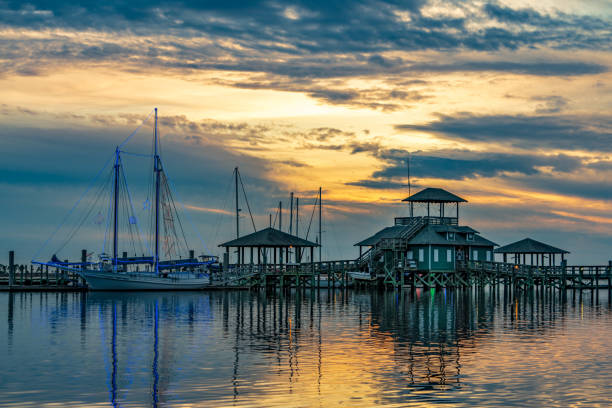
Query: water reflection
(357, 348)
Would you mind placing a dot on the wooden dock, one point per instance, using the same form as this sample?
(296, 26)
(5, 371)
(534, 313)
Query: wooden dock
(342, 274)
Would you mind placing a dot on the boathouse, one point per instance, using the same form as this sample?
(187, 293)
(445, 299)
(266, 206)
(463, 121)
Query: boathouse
(531, 252)
(430, 239)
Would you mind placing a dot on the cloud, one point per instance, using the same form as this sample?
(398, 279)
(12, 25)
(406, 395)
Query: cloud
(550, 104)
(564, 132)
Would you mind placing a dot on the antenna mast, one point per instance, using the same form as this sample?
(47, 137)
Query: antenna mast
(408, 168)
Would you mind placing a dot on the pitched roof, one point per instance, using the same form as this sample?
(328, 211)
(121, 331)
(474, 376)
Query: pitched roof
(429, 234)
(436, 235)
(529, 246)
(269, 237)
(434, 195)
(385, 233)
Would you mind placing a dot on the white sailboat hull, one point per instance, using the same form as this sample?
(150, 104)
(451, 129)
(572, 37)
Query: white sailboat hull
(97, 280)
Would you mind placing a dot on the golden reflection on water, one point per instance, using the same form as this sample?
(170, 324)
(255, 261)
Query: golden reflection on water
(336, 348)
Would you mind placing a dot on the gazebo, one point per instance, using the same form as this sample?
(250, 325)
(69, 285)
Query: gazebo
(537, 251)
(272, 248)
(434, 197)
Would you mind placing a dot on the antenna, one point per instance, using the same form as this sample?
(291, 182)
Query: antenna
(408, 168)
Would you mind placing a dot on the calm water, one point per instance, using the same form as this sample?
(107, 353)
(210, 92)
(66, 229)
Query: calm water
(321, 349)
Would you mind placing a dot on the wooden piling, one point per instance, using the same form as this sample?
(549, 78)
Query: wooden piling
(563, 284)
(11, 268)
(609, 275)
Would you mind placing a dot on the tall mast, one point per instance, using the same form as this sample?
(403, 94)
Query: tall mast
(157, 170)
(297, 216)
(280, 215)
(237, 209)
(115, 208)
(320, 223)
(291, 215)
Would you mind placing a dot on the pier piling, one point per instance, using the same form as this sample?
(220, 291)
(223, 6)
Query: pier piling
(11, 268)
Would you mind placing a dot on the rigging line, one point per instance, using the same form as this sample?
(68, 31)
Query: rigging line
(275, 218)
(169, 219)
(137, 129)
(126, 208)
(314, 207)
(178, 218)
(85, 216)
(247, 201)
(225, 202)
(188, 216)
(135, 154)
(138, 232)
(108, 221)
(73, 207)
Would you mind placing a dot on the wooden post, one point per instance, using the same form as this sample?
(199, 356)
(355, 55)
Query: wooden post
(563, 274)
(312, 266)
(609, 273)
(11, 268)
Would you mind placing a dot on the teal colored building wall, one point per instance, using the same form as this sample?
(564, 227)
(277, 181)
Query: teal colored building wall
(481, 254)
(442, 264)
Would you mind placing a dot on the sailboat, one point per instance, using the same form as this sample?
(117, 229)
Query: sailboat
(146, 272)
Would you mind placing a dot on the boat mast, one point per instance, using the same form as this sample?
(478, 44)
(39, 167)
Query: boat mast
(291, 215)
(237, 209)
(157, 170)
(115, 207)
(320, 223)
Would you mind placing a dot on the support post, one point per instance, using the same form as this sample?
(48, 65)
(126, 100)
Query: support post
(11, 268)
(609, 273)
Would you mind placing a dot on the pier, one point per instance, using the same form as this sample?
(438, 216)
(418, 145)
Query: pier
(344, 274)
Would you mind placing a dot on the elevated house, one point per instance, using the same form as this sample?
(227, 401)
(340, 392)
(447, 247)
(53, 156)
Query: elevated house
(429, 240)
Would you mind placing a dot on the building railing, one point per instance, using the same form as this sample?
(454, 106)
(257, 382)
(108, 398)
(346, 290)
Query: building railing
(428, 220)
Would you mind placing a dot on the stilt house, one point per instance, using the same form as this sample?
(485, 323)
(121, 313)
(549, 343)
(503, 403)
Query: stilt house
(430, 239)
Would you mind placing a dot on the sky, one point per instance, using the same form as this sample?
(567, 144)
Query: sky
(506, 104)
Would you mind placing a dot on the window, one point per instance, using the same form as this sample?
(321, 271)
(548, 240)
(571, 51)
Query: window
(409, 255)
(435, 255)
(450, 236)
(449, 255)
(475, 257)
(488, 256)
(470, 236)
(421, 255)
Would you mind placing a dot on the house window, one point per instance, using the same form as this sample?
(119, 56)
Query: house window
(450, 236)
(449, 255)
(409, 255)
(435, 255)
(470, 236)
(488, 256)
(421, 255)
(475, 257)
